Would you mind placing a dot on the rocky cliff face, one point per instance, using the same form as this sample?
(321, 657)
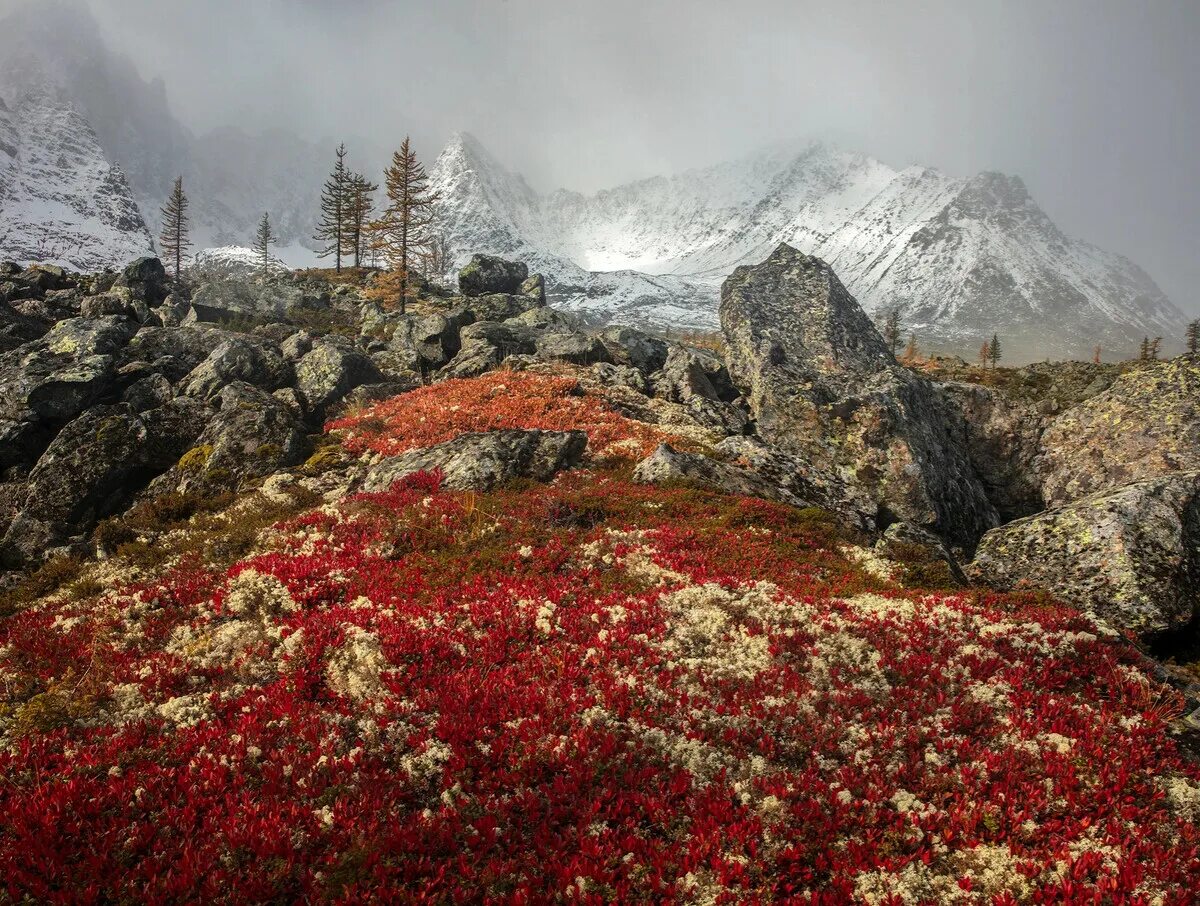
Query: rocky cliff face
(61, 200)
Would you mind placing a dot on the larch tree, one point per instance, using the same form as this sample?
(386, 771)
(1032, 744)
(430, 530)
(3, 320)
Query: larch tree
(361, 204)
(437, 257)
(1096, 355)
(403, 230)
(335, 211)
(174, 238)
(994, 351)
(985, 352)
(891, 330)
(910, 351)
(264, 238)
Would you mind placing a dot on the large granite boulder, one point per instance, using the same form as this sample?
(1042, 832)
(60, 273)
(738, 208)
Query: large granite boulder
(485, 344)
(630, 346)
(669, 466)
(93, 467)
(485, 274)
(1147, 423)
(486, 459)
(46, 383)
(823, 386)
(252, 361)
(330, 370)
(144, 283)
(1130, 556)
(251, 434)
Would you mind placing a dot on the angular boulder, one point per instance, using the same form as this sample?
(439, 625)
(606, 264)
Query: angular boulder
(331, 370)
(255, 362)
(488, 274)
(668, 466)
(630, 346)
(822, 385)
(1130, 556)
(486, 459)
(485, 344)
(1147, 423)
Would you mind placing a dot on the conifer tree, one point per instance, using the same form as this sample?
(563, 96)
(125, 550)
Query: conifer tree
(1144, 350)
(1096, 355)
(361, 204)
(910, 351)
(264, 237)
(1155, 344)
(437, 257)
(174, 238)
(994, 351)
(985, 352)
(403, 230)
(335, 209)
(1193, 337)
(891, 330)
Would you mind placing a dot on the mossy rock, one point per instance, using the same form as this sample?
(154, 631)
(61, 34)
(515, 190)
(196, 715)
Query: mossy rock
(195, 459)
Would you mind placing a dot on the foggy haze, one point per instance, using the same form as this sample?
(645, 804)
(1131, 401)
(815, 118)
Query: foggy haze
(1094, 103)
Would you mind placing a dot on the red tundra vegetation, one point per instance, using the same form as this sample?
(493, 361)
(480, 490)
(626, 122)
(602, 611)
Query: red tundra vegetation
(590, 691)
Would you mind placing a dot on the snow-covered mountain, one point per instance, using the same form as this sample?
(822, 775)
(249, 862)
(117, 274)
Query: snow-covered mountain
(959, 258)
(230, 176)
(61, 201)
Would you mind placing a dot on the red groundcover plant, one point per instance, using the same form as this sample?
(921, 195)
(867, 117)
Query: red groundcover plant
(493, 401)
(591, 691)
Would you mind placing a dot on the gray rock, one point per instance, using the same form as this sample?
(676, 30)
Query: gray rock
(1130, 556)
(698, 379)
(220, 300)
(822, 385)
(173, 311)
(251, 434)
(426, 342)
(535, 287)
(667, 466)
(296, 346)
(188, 345)
(620, 376)
(102, 306)
(630, 346)
(251, 361)
(149, 392)
(485, 344)
(542, 318)
(373, 393)
(576, 348)
(330, 371)
(485, 460)
(144, 281)
(489, 274)
(499, 306)
(92, 468)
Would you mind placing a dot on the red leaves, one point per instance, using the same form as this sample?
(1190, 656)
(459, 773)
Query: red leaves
(494, 401)
(581, 690)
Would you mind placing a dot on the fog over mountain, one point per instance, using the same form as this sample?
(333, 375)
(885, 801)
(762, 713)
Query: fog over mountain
(247, 99)
(587, 95)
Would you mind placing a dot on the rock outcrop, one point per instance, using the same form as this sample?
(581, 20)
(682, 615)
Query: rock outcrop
(1130, 556)
(1146, 424)
(484, 460)
(485, 274)
(822, 386)
(669, 466)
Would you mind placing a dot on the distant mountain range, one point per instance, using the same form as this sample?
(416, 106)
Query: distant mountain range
(959, 258)
(89, 149)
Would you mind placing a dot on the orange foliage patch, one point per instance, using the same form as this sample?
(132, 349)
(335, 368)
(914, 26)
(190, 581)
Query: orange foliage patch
(495, 401)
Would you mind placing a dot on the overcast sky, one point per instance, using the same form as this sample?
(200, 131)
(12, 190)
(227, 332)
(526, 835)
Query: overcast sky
(1096, 103)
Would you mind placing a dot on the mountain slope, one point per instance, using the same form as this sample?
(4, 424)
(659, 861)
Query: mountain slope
(61, 201)
(959, 258)
(231, 176)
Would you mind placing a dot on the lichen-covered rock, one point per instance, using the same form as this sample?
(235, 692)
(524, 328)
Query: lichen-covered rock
(569, 346)
(330, 371)
(251, 361)
(823, 386)
(143, 282)
(489, 274)
(485, 344)
(500, 306)
(189, 344)
(534, 286)
(426, 342)
(1003, 442)
(1147, 423)
(1131, 556)
(630, 346)
(487, 459)
(92, 468)
(251, 434)
(669, 466)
